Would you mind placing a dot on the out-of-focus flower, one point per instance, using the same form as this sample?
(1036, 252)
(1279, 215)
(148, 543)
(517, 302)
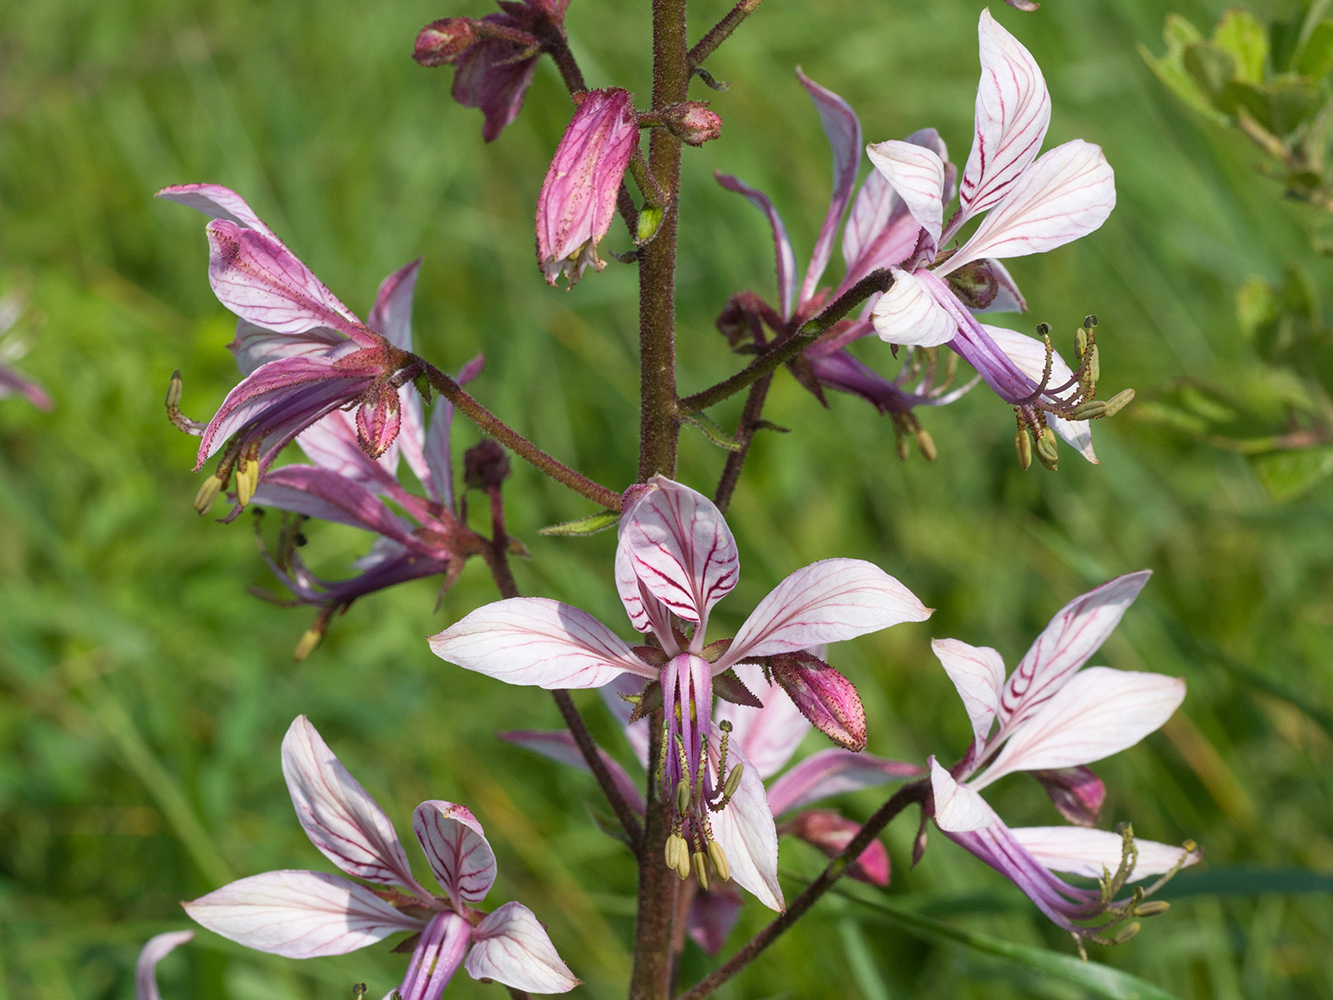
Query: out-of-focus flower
(303, 354)
(302, 914)
(145, 970)
(578, 198)
(675, 559)
(12, 381)
(1052, 718)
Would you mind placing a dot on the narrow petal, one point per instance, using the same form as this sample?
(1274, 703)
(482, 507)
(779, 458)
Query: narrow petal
(917, 175)
(13, 381)
(1100, 711)
(713, 916)
(217, 202)
(1074, 634)
(831, 832)
(492, 76)
(332, 444)
(1013, 112)
(298, 914)
(844, 134)
(321, 493)
(825, 697)
(338, 815)
(978, 674)
(391, 316)
(456, 848)
(646, 612)
(786, 259)
(559, 746)
(958, 809)
(908, 314)
(768, 735)
(145, 970)
(1076, 851)
(1066, 194)
(833, 772)
(827, 601)
(436, 468)
(537, 641)
(438, 954)
(512, 947)
(745, 830)
(680, 548)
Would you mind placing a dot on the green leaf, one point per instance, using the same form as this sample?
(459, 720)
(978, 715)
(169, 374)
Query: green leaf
(1256, 306)
(1315, 60)
(1170, 69)
(1247, 882)
(713, 432)
(1210, 67)
(1287, 474)
(1292, 100)
(583, 526)
(1240, 35)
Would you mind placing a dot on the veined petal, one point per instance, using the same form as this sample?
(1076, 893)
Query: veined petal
(1100, 711)
(255, 345)
(321, 493)
(713, 915)
(1076, 792)
(978, 674)
(646, 612)
(456, 848)
(437, 956)
(338, 815)
(958, 809)
(827, 601)
(559, 746)
(833, 772)
(680, 548)
(843, 129)
(786, 259)
(1013, 112)
(391, 315)
(1066, 194)
(1007, 296)
(637, 734)
(1076, 851)
(512, 947)
(768, 735)
(745, 830)
(438, 477)
(917, 175)
(908, 314)
(217, 202)
(332, 444)
(537, 641)
(1074, 634)
(298, 914)
(145, 970)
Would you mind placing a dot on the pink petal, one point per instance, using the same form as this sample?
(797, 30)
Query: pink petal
(298, 914)
(908, 314)
(438, 954)
(958, 809)
(768, 735)
(1099, 712)
(457, 850)
(844, 134)
(255, 345)
(217, 202)
(786, 259)
(831, 832)
(537, 641)
(13, 381)
(559, 746)
(145, 970)
(338, 815)
(1029, 355)
(1066, 194)
(1076, 792)
(332, 445)
(492, 77)
(512, 947)
(329, 496)
(827, 601)
(680, 548)
(438, 479)
(1074, 634)
(917, 175)
(1013, 112)
(825, 697)
(978, 674)
(713, 915)
(833, 772)
(391, 316)
(745, 830)
(1076, 851)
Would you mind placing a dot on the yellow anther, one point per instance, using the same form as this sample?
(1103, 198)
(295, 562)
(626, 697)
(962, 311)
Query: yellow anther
(903, 448)
(927, 445)
(719, 859)
(1118, 402)
(701, 869)
(247, 481)
(307, 644)
(1127, 932)
(1024, 445)
(682, 802)
(1046, 451)
(733, 781)
(674, 844)
(208, 492)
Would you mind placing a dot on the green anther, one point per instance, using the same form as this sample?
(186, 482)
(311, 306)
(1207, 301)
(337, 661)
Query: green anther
(927, 445)
(1094, 364)
(733, 781)
(701, 869)
(208, 492)
(1091, 410)
(1151, 908)
(719, 859)
(675, 849)
(1127, 932)
(1046, 451)
(174, 391)
(682, 802)
(1080, 344)
(1118, 402)
(902, 447)
(1024, 445)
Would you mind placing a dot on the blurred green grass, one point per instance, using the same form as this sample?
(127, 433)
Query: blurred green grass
(143, 692)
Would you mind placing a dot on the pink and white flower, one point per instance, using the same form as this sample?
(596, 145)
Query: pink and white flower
(145, 970)
(1051, 717)
(304, 914)
(675, 559)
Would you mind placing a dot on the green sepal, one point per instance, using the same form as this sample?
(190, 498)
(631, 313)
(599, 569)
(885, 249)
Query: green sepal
(583, 526)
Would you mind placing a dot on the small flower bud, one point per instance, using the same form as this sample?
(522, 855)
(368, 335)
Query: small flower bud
(485, 465)
(1118, 402)
(692, 122)
(1024, 444)
(701, 869)
(825, 697)
(377, 420)
(443, 41)
(719, 859)
(1152, 908)
(208, 492)
(650, 218)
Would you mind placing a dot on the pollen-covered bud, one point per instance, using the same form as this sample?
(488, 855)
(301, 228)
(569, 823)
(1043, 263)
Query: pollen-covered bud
(578, 198)
(485, 465)
(442, 42)
(692, 122)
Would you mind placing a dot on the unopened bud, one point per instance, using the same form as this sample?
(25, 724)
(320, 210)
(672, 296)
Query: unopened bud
(307, 644)
(208, 492)
(682, 799)
(1118, 402)
(733, 781)
(719, 859)
(927, 445)
(1127, 932)
(1090, 410)
(650, 218)
(485, 465)
(1047, 454)
(1024, 444)
(1152, 908)
(701, 869)
(692, 122)
(442, 42)
(247, 481)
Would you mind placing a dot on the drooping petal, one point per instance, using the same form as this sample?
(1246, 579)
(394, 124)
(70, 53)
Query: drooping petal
(217, 202)
(456, 848)
(1029, 356)
(958, 809)
(438, 954)
(825, 697)
(768, 735)
(1013, 112)
(391, 315)
(337, 814)
(713, 915)
(1074, 634)
(492, 76)
(844, 134)
(786, 259)
(909, 314)
(537, 641)
(1100, 711)
(436, 471)
(745, 830)
(298, 914)
(1076, 792)
(332, 444)
(831, 832)
(330, 496)
(145, 970)
(512, 947)
(680, 548)
(559, 746)
(917, 175)
(1076, 851)
(978, 674)
(1066, 194)
(827, 601)
(833, 772)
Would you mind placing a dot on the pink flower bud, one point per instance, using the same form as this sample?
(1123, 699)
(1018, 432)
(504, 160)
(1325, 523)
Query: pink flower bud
(378, 420)
(692, 122)
(1075, 792)
(578, 197)
(824, 696)
(443, 41)
(831, 833)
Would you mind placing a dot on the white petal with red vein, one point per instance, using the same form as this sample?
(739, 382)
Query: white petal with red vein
(917, 175)
(1076, 851)
(958, 809)
(145, 970)
(745, 829)
(512, 947)
(456, 848)
(978, 674)
(908, 314)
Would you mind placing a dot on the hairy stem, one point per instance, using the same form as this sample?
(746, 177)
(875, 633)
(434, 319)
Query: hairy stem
(658, 884)
(750, 421)
(905, 796)
(707, 45)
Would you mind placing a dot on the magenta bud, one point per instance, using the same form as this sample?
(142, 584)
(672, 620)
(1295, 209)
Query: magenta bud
(831, 833)
(692, 122)
(1075, 792)
(377, 420)
(485, 465)
(824, 696)
(578, 198)
(442, 42)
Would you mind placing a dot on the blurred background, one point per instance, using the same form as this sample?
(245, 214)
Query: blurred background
(144, 692)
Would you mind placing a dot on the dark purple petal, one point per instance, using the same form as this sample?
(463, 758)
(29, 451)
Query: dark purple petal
(844, 134)
(786, 259)
(489, 76)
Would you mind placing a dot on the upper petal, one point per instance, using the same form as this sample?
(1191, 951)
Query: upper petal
(745, 830)
(832, 772)
(298, 914)
(145, 970)
(512, 947)
(786, 259)
(537, 641)
(338, 815)
(217, 202)
(827, 601)
(1077, 851)
(436, 473)
(391, 316)
(844, 134)
(917, 175)
(1013, 112)
(456, 848)
(978, 674)
(909, 314)
(958, 809)
(257, 345)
